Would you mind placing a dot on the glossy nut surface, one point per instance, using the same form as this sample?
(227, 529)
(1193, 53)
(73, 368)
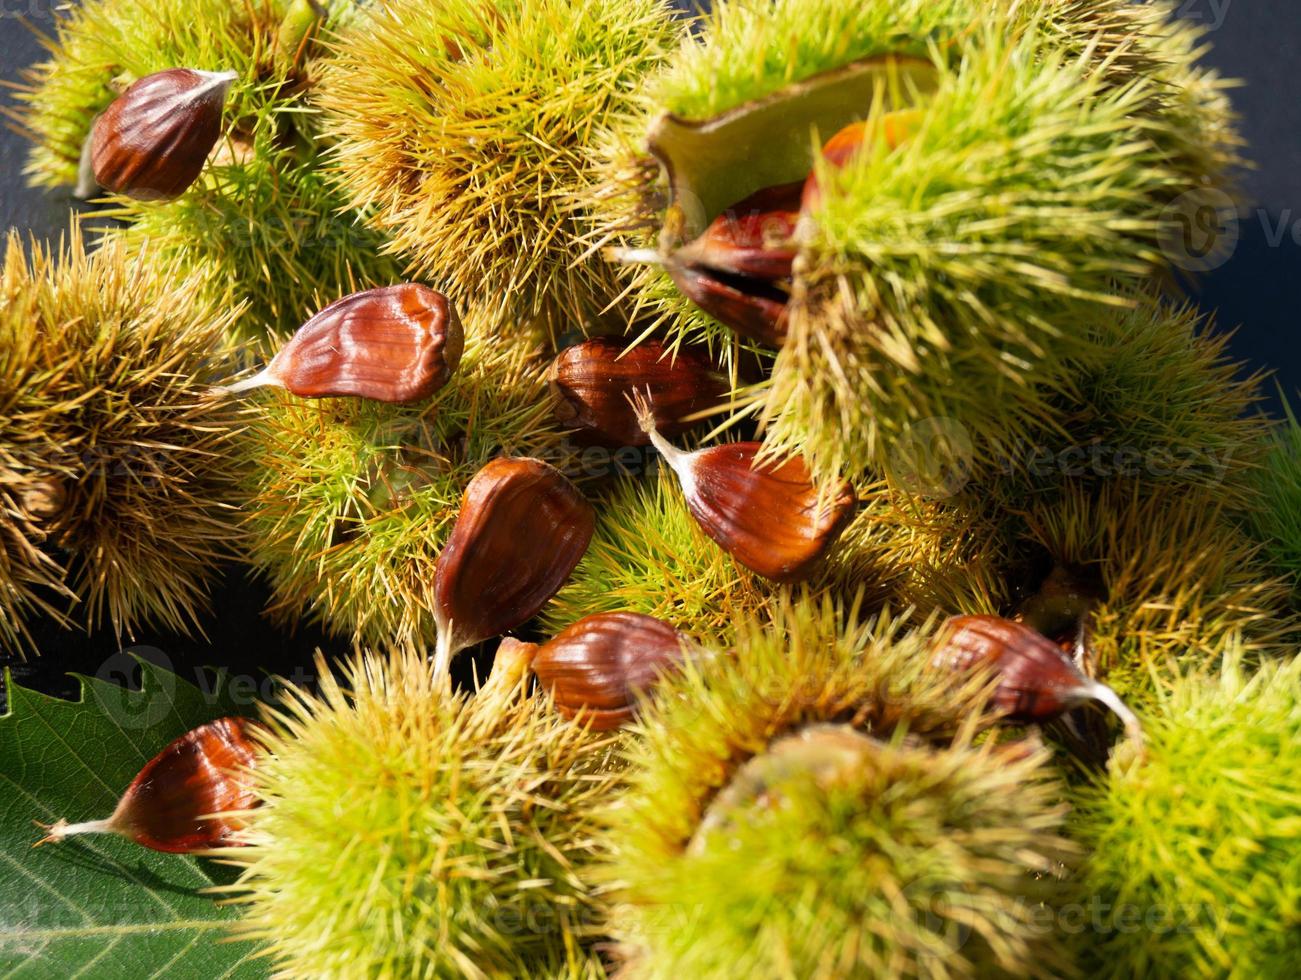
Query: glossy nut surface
(753, 238)
(592, 381)
(769, 517)
(1036, 681)
(182, 800)
(521, 530)
(738, 270)
(205, 771)
(601, 664)
(393, 344)
(754, 309)
(152, 141)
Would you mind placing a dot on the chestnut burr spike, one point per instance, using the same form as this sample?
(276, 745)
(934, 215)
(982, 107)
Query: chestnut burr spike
(892, 130)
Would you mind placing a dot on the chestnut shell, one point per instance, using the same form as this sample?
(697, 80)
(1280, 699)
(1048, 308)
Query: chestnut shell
(601, 664)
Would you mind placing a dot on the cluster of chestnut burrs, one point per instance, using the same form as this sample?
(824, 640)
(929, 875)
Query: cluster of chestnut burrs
(193, 796)
(523, 525)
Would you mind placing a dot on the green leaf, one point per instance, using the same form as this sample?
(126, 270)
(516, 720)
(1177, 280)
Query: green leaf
(101, 906)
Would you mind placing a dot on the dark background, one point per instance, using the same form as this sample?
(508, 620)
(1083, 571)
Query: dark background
(1256, 290)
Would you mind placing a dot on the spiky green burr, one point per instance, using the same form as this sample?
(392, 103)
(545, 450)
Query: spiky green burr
(1180, 580)
(1168, 407)
(1276, 519)
(277, 231)
(755, 837)
(117, 474)
(406, 831)
(1139, 487)
(1142, 487)
(350, 500)
(464, 129)
(263, 213)
(1194, 869)
(944, 279)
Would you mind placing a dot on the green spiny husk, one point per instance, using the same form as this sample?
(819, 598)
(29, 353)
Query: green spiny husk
(924, 555)
(1194, 869)
(407, 831)
(350, 500)
(116, 472)
(870, 875)
(948, 280)
(945, 280)
(100, 47)
(263, 214)
(276, 229)
(1140, 488)
(1276, 518)
(1167, 406)
(463, 129)
(1181, 580)
(648, 555)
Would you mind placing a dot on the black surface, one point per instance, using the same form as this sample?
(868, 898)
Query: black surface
(1256, 289)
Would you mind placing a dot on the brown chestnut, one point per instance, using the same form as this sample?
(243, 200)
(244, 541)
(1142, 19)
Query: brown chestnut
(601, 665)
(153, 139)
(593, 380)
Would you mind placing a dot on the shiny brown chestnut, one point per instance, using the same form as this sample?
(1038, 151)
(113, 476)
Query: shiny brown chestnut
(753, 238)
(601, 665)
(1036, 681)
(153, 139)
(769, 516)
(188, 797)
(738, 270)
(393, 344)
(593, 380)
(521, 530)
(755, 309)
